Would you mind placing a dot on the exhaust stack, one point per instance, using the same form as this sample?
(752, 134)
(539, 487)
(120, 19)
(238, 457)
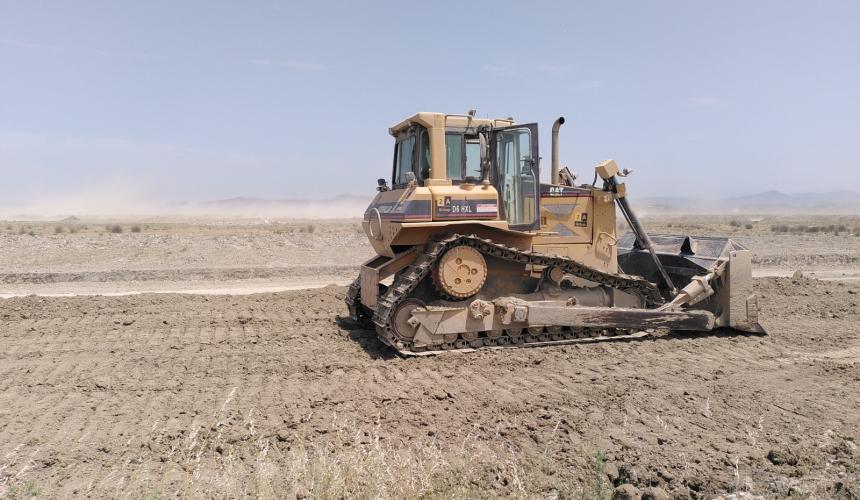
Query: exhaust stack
(555, 126)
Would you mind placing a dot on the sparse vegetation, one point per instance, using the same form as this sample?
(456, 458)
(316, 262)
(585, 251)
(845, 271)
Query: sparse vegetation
(59, 229)
(598, 487)
(378, 471)
(19, 491)
(32, 489)
(748, 226)
(136, 228)
(310, 229)
(735, 223)
(835, 229)
(114, 228)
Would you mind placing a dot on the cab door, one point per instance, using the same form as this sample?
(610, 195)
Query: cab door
(516, 174)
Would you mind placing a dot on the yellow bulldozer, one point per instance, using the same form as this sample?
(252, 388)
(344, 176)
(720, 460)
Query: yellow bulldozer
(474, 251)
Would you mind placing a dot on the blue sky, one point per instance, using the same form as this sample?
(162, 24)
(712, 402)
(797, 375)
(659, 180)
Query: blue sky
(172, 101)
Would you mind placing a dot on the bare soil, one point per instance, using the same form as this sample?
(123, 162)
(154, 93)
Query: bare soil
(275, 395)
(272, 395)
(88, 256)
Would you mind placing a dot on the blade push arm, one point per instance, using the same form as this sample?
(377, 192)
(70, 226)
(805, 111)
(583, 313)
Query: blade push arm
(608, 171)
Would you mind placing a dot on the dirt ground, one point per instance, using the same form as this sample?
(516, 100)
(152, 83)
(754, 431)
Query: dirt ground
(105, 257)
(247, 255)
(276, 395)
(269, 395)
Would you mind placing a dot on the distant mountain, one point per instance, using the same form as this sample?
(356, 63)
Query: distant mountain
(765, 198)
(765, 202)
(833, 197)
(338, 207)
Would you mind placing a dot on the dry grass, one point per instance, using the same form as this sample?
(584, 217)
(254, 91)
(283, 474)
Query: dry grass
(352, 463)
(597, 486)
(27, 490)
(225, 456)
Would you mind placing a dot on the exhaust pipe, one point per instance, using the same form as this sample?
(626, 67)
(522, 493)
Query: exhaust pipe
(555, 126)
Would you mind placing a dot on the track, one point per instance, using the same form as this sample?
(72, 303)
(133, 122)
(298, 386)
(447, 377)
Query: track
(409, 279)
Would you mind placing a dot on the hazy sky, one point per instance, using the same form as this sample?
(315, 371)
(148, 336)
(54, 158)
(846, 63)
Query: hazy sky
(205, 100)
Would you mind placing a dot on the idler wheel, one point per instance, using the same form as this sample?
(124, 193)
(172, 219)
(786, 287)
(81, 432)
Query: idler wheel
(461, 272)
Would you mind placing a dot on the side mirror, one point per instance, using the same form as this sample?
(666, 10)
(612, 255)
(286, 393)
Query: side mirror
(381, 185)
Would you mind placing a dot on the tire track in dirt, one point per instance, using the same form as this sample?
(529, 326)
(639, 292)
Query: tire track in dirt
(199, 395)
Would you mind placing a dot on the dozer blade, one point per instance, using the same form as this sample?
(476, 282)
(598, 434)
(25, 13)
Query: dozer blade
(733, 301)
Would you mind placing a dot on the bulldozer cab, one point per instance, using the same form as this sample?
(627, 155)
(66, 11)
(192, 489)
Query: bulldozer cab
(506, 158)
(412, 153)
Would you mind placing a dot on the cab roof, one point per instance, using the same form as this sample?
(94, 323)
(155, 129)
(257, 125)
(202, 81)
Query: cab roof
(434, 120)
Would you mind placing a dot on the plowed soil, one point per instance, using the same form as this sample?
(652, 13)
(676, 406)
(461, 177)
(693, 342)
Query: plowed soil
(272, 395)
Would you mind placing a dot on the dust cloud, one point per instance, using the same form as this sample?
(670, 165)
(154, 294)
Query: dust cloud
(124, 203)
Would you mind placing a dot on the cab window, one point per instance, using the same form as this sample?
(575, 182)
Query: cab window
(424, 155)
(454, 156)
(403, 159)
(473, 157)
(463, 156)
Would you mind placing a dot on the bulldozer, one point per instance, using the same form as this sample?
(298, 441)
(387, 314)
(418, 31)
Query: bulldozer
(474, 251)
